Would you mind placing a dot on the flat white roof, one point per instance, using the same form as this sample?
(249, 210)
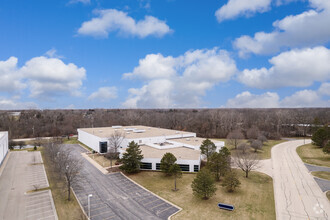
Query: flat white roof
(194, 141)
(181, 153)
(133, 132)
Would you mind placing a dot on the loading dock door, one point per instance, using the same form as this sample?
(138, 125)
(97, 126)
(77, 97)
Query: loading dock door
(103, 147)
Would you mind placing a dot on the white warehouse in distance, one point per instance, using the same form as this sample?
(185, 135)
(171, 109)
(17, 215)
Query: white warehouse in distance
(154, 143)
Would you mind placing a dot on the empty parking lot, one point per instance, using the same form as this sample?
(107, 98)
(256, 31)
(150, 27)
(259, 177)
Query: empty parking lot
(24, 172)
(115, 196)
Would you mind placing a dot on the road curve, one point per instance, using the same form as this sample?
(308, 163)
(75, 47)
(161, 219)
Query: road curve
(297, 195)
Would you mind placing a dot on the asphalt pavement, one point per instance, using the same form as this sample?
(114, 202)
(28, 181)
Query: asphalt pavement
(297, 195)
(114, 196)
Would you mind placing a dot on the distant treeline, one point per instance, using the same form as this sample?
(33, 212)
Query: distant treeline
(213, 123)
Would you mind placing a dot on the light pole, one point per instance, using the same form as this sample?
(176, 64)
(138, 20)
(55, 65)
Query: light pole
(89, 205)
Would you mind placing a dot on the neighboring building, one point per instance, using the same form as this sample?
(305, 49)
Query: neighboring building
(3, 145)
(154, 143)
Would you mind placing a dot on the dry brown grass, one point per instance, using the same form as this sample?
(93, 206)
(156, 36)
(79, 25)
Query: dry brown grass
(312, 154)
(322, 174)
(253, 200)
(265, 152)
(103, 161)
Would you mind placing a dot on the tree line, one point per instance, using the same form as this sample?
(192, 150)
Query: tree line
(213, 123)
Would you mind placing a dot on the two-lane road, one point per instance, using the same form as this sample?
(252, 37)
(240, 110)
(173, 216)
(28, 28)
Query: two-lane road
(297, 195)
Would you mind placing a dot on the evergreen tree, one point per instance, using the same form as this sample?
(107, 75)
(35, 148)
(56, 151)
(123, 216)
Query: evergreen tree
(321, 136)
(166, 162)
(231, 181)
(204, 185)
(132, 158)
(219, 163)
(208, 148)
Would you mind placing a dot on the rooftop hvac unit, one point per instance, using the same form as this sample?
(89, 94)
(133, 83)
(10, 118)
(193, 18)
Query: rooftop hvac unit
(139, 131)
(128, 129)
(117, 126)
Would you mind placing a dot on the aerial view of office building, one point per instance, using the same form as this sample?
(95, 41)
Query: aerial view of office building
(154, 143)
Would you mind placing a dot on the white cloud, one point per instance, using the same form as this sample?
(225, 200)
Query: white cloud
(300, 99)
(48, 77)
(248, 100)
(104, 94)
(309, 28)
(179, 81)
(111, 20)
(10, 104)
(10, 78)
(81, 1)
(304, 98)
(299, 68)
(52, 53)
(235, 8)
(324, 89)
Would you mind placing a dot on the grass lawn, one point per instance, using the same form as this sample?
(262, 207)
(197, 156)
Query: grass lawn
(322, 174)
(100, 159)
(312, 154)
(65, 209)
(72, 140)
(265, 152)
(253, 200)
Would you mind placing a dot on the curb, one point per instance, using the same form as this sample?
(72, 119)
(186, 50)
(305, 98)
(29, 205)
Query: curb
(4, 162)
(95, 164)
(180, 209)
(79, 203)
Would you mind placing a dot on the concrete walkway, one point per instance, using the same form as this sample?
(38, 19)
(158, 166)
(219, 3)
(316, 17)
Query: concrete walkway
(297, 195)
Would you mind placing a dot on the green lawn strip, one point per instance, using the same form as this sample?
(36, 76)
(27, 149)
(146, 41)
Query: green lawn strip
(322, 174)
(312, 154)
(253, 200)
(72, 140)
(65, 209)
(264, 153)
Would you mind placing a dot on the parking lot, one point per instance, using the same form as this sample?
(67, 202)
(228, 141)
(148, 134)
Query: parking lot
(39, 205)
(116, 197)
(24, 172)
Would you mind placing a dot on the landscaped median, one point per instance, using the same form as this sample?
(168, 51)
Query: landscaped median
(65, 209)
(253, 200)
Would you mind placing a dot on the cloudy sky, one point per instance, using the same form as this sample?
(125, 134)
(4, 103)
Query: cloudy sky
(164, 53)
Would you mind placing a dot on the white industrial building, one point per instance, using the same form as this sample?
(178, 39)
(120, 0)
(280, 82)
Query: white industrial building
(154, 143)
(3, 145)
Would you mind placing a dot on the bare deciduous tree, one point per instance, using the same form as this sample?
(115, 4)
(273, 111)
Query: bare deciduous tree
(252, 133)
(244, 147)
(262, 138)
(246, 162)
(235, 138)
(256, 145)
(63, 163)
(115, 141)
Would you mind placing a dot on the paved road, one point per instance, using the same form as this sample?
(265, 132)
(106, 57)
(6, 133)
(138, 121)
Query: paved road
(297, 195)
(115, 196)
(22, 173)
(312, 168)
